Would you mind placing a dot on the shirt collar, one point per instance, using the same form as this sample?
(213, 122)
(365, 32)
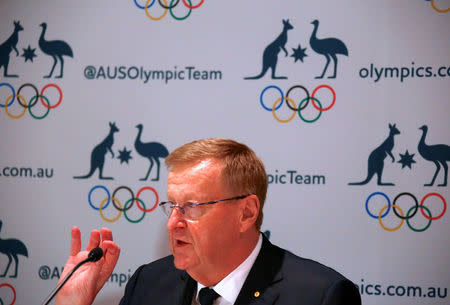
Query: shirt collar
(230, 286)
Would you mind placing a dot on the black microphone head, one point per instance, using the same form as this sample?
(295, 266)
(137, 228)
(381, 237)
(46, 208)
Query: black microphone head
(95, 254)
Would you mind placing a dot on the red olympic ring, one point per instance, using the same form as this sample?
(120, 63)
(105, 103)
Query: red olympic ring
(156, 201)
(193, 6)
(60, 95)
(443, 201)
(13, 290)
(332, 103)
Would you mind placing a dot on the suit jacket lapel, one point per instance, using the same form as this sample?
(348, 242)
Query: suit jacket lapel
(259, 286)
(183, 289)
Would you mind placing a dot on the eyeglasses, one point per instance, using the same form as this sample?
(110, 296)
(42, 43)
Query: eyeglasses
(193, 210)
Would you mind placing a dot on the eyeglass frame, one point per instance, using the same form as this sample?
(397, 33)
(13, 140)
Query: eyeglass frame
(191, 204)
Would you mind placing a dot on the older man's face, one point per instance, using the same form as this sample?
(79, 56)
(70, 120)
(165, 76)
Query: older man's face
(204, 245)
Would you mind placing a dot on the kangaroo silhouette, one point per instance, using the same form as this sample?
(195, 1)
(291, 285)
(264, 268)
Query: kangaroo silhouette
(377, 156)
(438, 154)
(152, 151)
(328, 47)
(99, 152)
(270, 55)
(56, 49)
(12, 247)
(6, 48)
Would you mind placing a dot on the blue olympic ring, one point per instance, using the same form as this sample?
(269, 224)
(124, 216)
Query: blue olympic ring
(13, 91)
(143, 7)
(387, 199)
(267, 88)
(90, 193)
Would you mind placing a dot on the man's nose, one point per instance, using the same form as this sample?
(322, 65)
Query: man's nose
(176, 220)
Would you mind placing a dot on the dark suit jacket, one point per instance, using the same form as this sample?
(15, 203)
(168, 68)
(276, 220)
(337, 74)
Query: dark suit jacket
(279, 276)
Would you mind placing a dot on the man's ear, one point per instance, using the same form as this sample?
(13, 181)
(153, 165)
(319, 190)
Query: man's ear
(249, 212)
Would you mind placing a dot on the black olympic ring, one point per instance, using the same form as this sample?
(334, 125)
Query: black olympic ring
(35, 90)
(170, 6)
(416, 207)
(132, 198)
(307, 95)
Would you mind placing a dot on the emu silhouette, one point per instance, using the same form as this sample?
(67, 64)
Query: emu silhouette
(377, 156)
(12, 247)
(6, 48)
(438, 154)
(99, 152)
(152, 151)
(56, 49)
(270, 55)
(328, 47)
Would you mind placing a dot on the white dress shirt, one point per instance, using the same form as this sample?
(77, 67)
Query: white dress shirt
(230, 286)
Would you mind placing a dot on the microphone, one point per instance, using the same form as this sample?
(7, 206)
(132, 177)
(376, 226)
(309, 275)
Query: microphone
(93, 256)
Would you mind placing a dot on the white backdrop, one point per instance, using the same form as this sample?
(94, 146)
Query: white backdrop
(122, 71)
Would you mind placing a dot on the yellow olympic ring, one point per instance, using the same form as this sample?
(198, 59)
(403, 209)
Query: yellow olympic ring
(24, 108)
(438, 9)
(287, 99)
(101, 209)
(155, 18)
(381, 222)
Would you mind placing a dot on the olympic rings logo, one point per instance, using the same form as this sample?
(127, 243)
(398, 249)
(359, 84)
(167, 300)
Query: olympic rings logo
(167, 7)
(122, 209)
(33, 101)
(13, 292)
(439, 10)
(301, 106)
(411, 212)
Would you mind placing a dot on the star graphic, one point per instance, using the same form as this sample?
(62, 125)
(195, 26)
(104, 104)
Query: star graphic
(124, 155)
(299, 53)
(406, 159)
(28, 53)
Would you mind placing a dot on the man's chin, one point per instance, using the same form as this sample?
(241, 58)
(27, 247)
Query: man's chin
(181, 263)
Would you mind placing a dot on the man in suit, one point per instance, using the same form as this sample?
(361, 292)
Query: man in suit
(216, 192)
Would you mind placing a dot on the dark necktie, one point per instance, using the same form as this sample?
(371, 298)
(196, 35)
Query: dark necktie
(207, 296)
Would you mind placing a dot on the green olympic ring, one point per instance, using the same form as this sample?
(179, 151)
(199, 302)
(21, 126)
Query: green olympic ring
(306, 99)
(31, 102)
(125, 208)
(180, 18)
(410, 226)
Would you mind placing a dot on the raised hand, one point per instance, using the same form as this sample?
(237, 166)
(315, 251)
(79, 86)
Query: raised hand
(87, 281)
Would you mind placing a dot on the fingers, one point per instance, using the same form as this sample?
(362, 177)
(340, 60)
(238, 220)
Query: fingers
(110, 257)
(97, 239)
(110, 249)
(112, 252)
(106, 234)
(75, 242)
(94, 240)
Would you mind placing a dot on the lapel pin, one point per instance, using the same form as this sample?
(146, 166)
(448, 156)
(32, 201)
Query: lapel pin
(256, 294)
